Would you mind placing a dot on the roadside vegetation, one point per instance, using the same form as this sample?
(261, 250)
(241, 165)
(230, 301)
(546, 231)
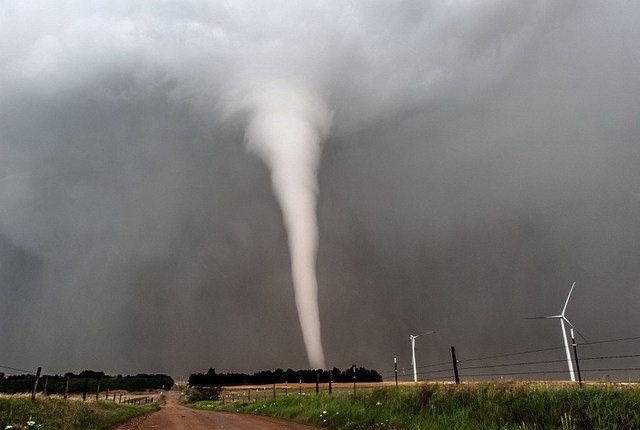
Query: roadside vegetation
(495, 405)
(49, 413)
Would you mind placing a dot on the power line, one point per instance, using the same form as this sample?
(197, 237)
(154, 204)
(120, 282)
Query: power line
(526, 363)
(510, 354)
(17, 370)
(609, 357)
(604, 357)
(611, 340)
(612, 369)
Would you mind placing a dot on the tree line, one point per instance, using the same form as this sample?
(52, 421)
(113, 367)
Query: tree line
(57, 384)
(280, 376)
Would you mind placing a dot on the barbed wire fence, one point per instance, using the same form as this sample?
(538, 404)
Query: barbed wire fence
(115, 396)
(521, 365)
(470, 369)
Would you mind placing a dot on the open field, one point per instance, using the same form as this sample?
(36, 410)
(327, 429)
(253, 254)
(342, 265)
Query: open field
(489, 405)
(254, 393)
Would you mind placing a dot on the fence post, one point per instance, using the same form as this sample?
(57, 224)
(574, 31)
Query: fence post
(354, 379)
(330, 381)
(66, 388)
(274, 391)
(455, 364)
(317, 382)
(98, 392)
(84, 390)
(395, 369)
(46, 383)
(575, 356)
(35, 386)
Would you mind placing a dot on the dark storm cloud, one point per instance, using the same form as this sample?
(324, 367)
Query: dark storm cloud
(483, 156)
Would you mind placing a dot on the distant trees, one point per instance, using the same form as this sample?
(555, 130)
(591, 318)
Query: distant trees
(280, 376)
(56, 384)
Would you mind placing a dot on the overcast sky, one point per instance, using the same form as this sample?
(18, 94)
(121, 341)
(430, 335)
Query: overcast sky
(483, 156)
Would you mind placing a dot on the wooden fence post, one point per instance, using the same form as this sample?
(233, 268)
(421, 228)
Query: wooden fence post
(455, 365)
(35, 386)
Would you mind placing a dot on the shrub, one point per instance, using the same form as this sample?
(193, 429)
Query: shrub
(200, 393)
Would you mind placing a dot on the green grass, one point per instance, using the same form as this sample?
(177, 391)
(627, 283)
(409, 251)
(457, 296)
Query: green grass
(49, 413)
(503, 405)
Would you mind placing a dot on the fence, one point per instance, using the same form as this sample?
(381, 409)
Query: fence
(254, 393)
(139, 400)
(537, 364)
(39, 384)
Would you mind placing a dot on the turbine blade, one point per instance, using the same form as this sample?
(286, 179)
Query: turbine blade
(568, 297)
(574, 327)
(569, 322)
(549, 317)
(422, 334)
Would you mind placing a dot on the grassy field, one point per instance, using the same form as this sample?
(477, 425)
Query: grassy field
(52, 413)
(496, 405)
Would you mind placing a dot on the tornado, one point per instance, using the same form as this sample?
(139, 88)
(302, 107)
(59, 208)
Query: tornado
(286, 128)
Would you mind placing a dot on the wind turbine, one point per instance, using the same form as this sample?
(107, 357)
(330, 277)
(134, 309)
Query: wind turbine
(563, 319)
(413, 338)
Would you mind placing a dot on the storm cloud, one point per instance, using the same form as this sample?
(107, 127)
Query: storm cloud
(482, 157)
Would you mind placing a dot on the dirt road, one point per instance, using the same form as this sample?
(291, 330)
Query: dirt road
(173, 416)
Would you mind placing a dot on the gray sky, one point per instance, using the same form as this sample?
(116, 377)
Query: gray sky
(483, 156)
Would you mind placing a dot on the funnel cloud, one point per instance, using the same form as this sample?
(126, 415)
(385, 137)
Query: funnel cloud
(286, 129)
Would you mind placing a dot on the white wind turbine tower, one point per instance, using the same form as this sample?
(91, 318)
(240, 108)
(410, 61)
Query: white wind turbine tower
(413, 338)
(564, 319)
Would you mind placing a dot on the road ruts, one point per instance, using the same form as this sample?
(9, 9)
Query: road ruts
(173, 416)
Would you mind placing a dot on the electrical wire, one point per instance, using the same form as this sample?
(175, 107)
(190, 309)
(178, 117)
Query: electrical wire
(17, 370)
